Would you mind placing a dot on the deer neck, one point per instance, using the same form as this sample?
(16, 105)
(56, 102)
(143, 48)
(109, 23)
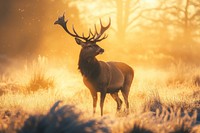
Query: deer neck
(89, 66)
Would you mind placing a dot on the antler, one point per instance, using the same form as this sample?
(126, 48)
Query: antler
(61, 21)
(96, 37)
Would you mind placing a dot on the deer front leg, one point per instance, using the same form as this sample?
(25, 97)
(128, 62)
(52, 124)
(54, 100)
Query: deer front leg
(94, 96)
(103, 95)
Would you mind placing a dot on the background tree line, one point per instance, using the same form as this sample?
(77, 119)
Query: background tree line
(161, 33)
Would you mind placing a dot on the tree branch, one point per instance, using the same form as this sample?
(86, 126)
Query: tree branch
(196, 14)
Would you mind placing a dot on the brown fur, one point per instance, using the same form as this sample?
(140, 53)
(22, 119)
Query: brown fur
(99, 76)
(106, 77)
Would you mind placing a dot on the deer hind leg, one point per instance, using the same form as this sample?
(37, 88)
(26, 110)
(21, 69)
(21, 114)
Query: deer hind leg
(125, 91)
(125, 95)
(117, 99)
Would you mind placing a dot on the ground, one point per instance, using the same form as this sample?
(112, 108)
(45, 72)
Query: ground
(42, 99)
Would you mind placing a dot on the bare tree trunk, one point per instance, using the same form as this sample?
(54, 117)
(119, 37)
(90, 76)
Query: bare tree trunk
(126, 15)
(120, 20)
(186, 21)
(123, 14)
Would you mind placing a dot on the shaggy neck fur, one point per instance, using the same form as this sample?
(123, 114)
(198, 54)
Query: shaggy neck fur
(88, 66)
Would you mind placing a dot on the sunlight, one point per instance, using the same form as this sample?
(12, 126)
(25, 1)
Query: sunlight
(150, 2)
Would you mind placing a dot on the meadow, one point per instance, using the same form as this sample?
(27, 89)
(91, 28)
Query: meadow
(40, 98)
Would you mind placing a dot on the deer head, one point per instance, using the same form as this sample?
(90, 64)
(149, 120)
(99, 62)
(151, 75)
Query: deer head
(88, 43)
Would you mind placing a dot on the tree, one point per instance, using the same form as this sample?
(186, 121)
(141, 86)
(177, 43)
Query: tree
(21, 29)
(126, 13)
(181, 17)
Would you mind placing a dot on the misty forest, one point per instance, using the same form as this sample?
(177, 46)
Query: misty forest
(45, 87)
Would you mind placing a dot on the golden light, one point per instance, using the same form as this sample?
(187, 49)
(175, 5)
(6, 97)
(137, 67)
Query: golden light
(150, 2)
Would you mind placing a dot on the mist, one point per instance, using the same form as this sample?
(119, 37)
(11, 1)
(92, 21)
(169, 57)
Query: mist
(159, 39)
(142, 34)
(27, 27)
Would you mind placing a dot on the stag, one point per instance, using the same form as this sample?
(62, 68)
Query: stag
(99, 76)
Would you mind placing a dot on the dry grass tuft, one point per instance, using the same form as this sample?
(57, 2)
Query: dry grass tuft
(153, 102)
(40, 81)
(181, 73)
(39, 78)
(197, 80)
(139, 128)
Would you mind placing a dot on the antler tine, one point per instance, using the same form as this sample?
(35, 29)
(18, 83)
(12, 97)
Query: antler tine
(61, 21)
(95, 32)
(83, 35)
(75, 31)
(91, 32)
(104, 37)
(66, 29)
(87, 38)
(96, 37)
(102, 30)
(88, 34)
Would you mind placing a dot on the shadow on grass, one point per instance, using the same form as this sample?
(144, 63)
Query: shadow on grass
(66, 119)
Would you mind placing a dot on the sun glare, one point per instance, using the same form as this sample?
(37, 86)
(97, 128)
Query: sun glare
(150, 2)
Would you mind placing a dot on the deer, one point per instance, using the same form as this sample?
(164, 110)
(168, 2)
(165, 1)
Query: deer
(99, 76)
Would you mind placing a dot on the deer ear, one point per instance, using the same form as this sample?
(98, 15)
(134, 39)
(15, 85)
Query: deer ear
(78, 41)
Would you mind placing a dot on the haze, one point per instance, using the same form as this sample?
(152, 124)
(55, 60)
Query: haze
(146, 33)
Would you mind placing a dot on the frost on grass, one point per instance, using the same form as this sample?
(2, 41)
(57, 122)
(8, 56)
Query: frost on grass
(66, 119)
(181, 73)
(153, 102)
(40, 81)
(30, 78)
(165, 121)
(39, 78)
(171, 106)
(12, 120)
(69, 119)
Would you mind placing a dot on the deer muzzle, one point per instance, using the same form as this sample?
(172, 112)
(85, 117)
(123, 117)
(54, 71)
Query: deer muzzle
(100, 51)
